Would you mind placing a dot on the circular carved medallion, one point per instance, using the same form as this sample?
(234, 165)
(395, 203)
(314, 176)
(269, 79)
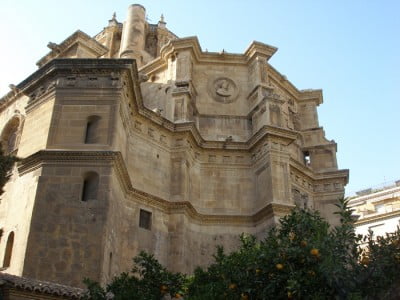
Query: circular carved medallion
(223, 89)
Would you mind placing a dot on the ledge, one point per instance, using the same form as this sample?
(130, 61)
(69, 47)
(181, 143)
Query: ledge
(42, 157)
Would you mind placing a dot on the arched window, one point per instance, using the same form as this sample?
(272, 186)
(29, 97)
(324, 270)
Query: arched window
(90, 186)
(9, 248)
(92, 130)
(10, 135)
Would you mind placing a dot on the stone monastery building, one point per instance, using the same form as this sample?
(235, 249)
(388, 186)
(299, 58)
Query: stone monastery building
(135, 139)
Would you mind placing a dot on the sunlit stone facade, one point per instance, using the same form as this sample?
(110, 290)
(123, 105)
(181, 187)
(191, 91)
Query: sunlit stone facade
(135, 139)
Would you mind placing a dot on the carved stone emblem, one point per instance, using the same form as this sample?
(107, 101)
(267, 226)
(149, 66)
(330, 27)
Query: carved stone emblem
(223, 89)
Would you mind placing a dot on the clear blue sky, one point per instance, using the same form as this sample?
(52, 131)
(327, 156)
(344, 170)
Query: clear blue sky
(350, 49)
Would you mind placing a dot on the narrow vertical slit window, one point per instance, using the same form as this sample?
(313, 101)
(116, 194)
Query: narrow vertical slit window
(110, 263)
(9, 249)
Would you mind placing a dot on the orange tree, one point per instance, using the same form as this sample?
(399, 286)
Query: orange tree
(302, 258)
(148, 280)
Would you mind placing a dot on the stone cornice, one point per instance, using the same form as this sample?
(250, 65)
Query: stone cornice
(377, 218)
(260, 49)
(282, 81)
(192, 44)
(307, 95)
(255, 49)
(75, 66)
(45, 157)
(311, 95)
(330, 175)
(355, 200)
(77, 37)
(330, 145)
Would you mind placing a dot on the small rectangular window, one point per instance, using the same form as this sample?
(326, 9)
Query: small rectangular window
(380, 208)
(145, 219)
(307, 158)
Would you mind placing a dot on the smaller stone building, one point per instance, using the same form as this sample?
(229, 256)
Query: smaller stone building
(377, 210)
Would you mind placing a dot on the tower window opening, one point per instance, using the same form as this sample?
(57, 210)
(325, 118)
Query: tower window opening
(92, 130)
(307, 158)
(90, 186)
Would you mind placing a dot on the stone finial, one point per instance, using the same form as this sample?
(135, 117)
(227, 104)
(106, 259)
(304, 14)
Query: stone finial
(13, 88)
(53, 46)
(113, 21)
(161, 22)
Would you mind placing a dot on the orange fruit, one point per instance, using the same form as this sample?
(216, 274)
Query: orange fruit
(314, 252)
(279, 266)
(232, 286)
(177, 295)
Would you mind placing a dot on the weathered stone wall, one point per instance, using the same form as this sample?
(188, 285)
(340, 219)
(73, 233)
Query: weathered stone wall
(36, 127)
(16, 208)
(66, 233)
(75, 107)
(206, 76)
(124, 239)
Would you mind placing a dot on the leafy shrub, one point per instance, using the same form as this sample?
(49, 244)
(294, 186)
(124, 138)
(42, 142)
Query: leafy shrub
(148, 279)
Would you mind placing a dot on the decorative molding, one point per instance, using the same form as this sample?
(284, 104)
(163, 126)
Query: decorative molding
(223, 89)
(376, 218)
(379, 194)
(45, 157)
(78, 37)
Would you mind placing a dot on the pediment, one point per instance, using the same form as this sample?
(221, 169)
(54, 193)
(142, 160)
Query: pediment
(77, 45)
